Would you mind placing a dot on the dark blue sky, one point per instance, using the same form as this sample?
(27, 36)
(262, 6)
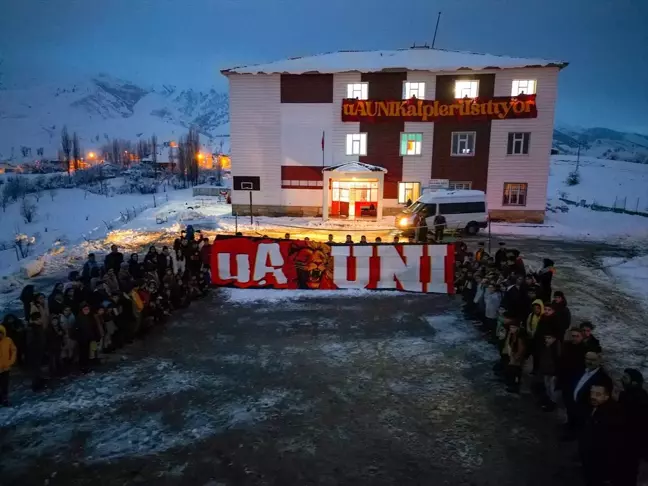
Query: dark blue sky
(187, 42)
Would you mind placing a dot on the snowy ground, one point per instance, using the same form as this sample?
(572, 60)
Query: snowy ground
(382, 390)
(289, 387)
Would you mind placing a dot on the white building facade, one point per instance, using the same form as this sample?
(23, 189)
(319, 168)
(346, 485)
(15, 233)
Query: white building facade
(332, 136)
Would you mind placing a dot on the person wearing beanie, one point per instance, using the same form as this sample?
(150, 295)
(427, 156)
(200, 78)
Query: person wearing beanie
(8, 354)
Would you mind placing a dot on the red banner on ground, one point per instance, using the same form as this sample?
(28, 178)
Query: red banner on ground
(295, 264)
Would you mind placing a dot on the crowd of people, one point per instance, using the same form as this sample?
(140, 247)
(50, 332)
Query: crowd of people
(519, 311)
(101, 308)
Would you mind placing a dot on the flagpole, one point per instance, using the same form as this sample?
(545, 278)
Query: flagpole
(323, 132)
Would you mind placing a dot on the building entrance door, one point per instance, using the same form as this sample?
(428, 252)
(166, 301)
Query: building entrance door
(354, 199)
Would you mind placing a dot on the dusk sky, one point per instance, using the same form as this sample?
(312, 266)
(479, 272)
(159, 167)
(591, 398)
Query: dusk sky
(187, 42)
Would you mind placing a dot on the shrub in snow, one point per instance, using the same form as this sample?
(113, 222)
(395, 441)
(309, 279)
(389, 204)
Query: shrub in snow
(28, 209)
(573, 179)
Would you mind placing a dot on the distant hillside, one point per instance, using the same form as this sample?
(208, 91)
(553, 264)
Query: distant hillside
(102, 108)
(602, 143)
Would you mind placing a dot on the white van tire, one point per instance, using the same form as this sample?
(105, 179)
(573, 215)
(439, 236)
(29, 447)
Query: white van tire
(472, 228)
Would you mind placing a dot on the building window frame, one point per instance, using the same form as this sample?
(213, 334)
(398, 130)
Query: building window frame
(460, 144)
(459, 185)
(466, 88)
(408, 190)
(356, 144)
(411, 144)
(518, 143)
(413, 89)
(515, 194)
(523, 86)
(359, 91)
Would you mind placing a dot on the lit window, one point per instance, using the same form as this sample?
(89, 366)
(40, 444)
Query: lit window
(411, 143)
(518, 143)
(465, 89)
(413, 89)
(356, 144)
(358, 90)
(408, 191)
(515, 194)
(523, 86)
(460, 185)
(463, 144)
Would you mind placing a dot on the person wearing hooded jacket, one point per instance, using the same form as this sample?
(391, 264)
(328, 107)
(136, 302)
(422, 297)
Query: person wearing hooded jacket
(8, 354)
(533, 319)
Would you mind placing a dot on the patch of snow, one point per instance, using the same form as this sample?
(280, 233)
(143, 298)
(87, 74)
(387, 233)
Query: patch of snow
(631, 274)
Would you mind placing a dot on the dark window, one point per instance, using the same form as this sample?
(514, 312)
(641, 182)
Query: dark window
(462, 208)
(518, 143)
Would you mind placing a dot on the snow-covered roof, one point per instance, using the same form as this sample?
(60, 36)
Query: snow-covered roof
(354, 167)
(413, 59)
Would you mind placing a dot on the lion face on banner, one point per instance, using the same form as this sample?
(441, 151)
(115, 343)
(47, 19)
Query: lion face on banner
(313, 263)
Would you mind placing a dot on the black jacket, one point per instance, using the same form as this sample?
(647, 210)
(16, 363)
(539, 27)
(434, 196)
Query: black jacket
(114, 261)
(563, 318)
(572, 364)
(593, 344)
(601, 445)
(583, 396)
(634, 405)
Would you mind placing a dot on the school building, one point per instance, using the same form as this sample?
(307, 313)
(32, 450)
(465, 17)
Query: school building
(357, 134)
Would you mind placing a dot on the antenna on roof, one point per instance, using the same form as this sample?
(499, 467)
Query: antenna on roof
(436, 29)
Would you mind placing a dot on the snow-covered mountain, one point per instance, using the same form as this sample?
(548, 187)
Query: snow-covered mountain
(602, 143)
(103, 108)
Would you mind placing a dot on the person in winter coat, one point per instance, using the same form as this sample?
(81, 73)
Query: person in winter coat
(90, 264)
(59, 288)
(572, 361)
(205, 252)
(440, 225)
(71, 299)
(151, 257)
(548, 363)
(481, 251)
(114, 259)
(591, 342)
(16, 330)
(544, 278)
(533, 319)
(36, 346)
(99, 333)
(164, 263)
(55, 336)
(189, 233)
(515, 299)
(562, 313)
(478, 299)
(151, 274)
(492, 300)
(27, 297)
(601, 447)
(514, 351)
(125, 279)
(179, 262)
(110, 281)
(39, 305)
(135, 267)
(68, 324)
(500, 255)
(86, 333)
(633, 402)
(8, 355)
(137, 307)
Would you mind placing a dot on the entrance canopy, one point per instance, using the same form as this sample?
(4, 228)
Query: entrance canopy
(353, 190)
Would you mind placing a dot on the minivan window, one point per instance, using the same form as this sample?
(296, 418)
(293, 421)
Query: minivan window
(462, 207)
(418, 207)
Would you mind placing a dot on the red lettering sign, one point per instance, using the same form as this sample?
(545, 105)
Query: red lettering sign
(295, 264)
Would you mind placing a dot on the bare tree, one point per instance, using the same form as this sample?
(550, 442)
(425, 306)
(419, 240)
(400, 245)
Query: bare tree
(28, 210)
(52, 192)
(5, 197)
(115, 152)
(76, 151)
(192, 151)
(154, 147)
(181, 160)
(66, 147)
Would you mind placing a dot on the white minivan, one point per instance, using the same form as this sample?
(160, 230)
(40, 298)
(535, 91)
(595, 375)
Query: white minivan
(463, 209)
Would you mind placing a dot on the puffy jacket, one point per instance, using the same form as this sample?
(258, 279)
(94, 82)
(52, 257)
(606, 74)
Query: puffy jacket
(8, 351)
(533, 319)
